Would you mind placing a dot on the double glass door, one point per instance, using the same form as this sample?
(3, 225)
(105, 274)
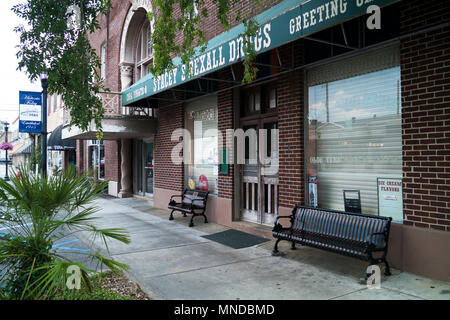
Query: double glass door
(259, 173)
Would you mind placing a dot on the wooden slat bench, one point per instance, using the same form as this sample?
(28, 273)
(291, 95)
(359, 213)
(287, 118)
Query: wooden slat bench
(351, 234)
(192, 202)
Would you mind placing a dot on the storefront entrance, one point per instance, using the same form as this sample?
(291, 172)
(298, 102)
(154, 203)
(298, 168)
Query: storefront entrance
(144, 167)
(259, 174)
(96, 159)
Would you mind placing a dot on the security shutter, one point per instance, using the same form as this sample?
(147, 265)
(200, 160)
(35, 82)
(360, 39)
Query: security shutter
(354, 127)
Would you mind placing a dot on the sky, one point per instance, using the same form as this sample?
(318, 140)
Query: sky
(11, 80)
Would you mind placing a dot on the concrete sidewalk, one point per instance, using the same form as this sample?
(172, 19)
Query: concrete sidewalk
(172, 261)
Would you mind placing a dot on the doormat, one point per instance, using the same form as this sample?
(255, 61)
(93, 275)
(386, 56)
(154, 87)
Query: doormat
(236, 239)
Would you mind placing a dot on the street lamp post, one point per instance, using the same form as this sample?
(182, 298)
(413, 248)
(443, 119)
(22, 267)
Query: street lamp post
(44, 125)
(6, 152)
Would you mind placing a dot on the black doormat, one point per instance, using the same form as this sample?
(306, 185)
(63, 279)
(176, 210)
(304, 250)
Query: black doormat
(235, 239)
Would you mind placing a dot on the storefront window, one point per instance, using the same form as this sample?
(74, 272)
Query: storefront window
(202, 150)
(96, 159)
(54, 159)
(354, 143)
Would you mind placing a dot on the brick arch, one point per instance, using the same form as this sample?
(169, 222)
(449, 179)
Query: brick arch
(133, 22)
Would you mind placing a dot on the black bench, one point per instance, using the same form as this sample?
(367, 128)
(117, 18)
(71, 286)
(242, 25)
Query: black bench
(357, 235)
(192, 202)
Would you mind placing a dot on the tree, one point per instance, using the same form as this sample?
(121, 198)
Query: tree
(51, 45)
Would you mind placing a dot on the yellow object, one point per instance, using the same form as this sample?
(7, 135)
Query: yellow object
(191, 184)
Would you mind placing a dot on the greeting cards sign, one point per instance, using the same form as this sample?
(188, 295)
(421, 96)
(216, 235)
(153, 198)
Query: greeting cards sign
(30, 115)
(390, 198)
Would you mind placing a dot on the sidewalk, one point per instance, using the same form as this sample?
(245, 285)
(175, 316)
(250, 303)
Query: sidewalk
(172, 261)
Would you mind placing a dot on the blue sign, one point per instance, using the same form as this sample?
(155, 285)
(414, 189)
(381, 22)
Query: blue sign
(30, 112)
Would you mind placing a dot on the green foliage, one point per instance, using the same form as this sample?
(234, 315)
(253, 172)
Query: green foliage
(39, 211)
(168, 23)
(49, 45)
(35, 158)
(250, 70)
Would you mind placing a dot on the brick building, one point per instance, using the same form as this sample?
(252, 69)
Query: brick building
(346, 108)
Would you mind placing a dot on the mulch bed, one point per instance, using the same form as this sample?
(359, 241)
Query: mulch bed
(122, 285)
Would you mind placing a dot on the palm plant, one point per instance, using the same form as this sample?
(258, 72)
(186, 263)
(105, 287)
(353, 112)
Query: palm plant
(38, 211)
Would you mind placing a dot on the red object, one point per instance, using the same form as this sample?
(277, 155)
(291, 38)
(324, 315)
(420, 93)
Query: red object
(18, 175)
(203, 183)
(313, 196)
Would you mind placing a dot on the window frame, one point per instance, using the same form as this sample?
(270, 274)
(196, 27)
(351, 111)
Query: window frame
(142, 56)
(306, 87)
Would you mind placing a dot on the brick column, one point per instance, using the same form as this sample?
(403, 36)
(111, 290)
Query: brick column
(291, 131)
(425, 64)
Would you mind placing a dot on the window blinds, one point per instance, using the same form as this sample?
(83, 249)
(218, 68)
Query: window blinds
(354, 128)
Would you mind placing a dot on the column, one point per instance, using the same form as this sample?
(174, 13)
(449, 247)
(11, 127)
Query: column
(126, 183)
(126, 79)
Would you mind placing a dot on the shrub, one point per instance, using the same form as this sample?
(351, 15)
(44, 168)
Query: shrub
(38, 211)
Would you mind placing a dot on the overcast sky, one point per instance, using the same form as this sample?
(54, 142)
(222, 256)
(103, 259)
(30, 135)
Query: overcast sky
(11, 80)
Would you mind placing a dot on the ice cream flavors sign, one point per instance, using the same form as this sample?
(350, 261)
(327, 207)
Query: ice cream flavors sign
(277, 27)
(30, 112)
(390, 198)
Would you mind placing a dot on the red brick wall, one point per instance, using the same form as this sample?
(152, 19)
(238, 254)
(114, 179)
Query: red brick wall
(80, 156)
(168, 175)
(290, 121)
(112, 160)
(112, 39)
(425, 64)
(212, 27)
(117, 17)
(225, 121)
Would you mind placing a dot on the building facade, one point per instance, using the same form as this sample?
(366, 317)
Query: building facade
(349, 110)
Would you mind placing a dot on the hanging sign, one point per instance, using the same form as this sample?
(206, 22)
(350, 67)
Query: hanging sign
(30, 112)
(390, 198)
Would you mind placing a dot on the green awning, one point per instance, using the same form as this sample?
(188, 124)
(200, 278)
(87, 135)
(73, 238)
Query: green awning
(55, 141)
(288, 21)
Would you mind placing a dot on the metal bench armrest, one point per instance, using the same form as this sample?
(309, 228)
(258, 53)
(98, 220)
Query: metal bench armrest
(177, 195)
(369, 238)
(282, 217)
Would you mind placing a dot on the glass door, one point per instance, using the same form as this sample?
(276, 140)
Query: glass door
(148, 168)
(259, 174)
